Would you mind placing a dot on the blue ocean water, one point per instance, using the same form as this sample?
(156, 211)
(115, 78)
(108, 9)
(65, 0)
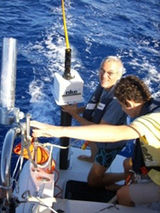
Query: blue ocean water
(96, 29)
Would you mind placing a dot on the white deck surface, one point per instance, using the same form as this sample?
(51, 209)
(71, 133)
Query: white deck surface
(78, 170)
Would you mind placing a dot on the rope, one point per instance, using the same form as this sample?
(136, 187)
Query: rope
(19, 161)
(65, 26)
(53, 145)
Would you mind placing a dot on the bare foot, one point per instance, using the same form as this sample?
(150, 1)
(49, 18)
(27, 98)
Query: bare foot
(86, 158)
(113, 187)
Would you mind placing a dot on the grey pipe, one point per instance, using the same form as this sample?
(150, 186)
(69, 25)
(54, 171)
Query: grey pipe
(8, 74)
(8, 113)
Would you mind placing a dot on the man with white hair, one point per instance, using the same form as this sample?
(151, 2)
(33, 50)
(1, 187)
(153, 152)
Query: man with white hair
(102, 108)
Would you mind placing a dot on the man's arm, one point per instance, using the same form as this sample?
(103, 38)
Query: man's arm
(96, 132)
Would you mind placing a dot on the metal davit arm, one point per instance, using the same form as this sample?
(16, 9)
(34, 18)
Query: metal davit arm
(6, 156)
(6, 161)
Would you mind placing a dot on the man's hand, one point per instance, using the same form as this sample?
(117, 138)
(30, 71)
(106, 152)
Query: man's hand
(71, 109)
(45, 130)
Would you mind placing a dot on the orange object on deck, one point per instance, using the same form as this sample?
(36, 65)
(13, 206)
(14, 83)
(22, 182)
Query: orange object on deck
(42, 153)
(84, 146)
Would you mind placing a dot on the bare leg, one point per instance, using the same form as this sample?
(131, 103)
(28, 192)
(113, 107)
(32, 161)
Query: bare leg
(111, 178)
(127, 164)
(123, 196)
(113, 187)
(90, 158)
(98, 178)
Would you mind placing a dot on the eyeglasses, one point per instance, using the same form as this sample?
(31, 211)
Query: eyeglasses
(110, 74)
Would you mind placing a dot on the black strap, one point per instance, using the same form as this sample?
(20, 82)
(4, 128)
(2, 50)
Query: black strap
(98, 113)
(95, 115)
(137, 158)
(94, 99)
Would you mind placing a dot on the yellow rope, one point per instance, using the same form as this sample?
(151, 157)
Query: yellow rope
(65, 26)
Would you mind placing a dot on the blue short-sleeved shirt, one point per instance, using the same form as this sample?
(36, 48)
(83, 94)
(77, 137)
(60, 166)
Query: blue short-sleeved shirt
(113, 115)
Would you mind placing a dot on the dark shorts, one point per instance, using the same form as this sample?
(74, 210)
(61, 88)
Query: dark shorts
(105, 157)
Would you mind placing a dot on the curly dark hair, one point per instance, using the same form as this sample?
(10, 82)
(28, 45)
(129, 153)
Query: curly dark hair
(132, 88)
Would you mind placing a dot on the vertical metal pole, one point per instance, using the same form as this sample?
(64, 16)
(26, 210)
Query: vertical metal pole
(8, 81)
(8, 75)
(67, 73)
(66, 119)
